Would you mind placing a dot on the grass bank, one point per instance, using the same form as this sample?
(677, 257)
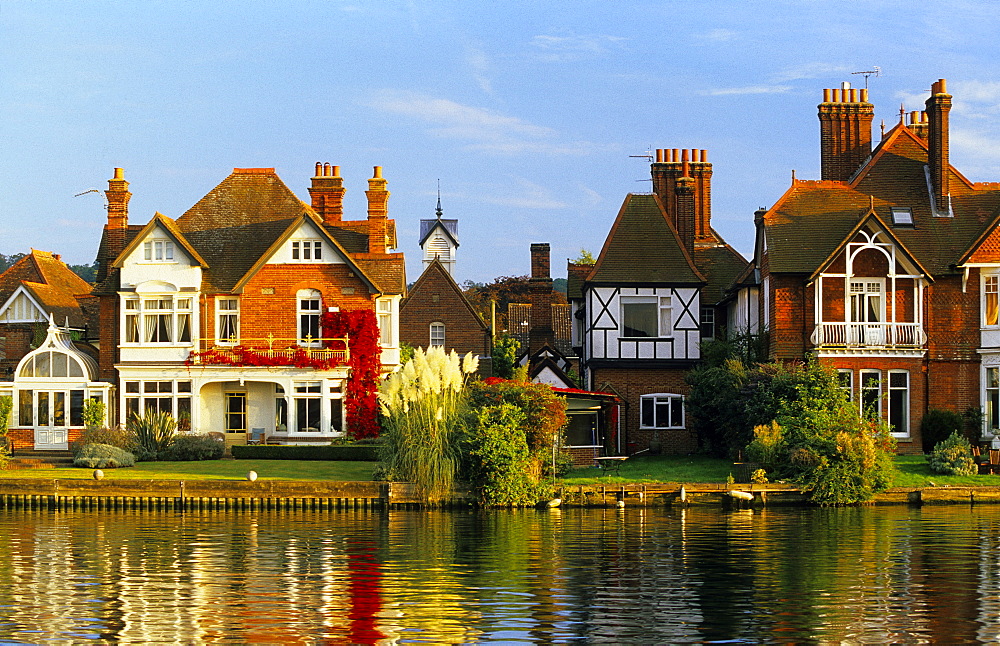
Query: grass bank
(214, 470)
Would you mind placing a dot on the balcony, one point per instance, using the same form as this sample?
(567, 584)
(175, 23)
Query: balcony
(869, 335)
(319, 353)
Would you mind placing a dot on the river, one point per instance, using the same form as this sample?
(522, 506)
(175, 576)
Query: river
(653, 575)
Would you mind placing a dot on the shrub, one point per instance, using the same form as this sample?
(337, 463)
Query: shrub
(767, 445)
(422, 408)
(357, 452)
(6, 405)
(151, 433)
(115, 436)
(193, 447)
(498, 457)
(953, 456)
(103, 456)
(544, 414)
(93, 413)
(505, 351)
(937, 426)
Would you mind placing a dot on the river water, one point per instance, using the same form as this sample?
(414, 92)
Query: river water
(653, 575)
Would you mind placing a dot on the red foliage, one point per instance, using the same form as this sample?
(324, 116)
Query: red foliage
(361, 395)
(241, 356)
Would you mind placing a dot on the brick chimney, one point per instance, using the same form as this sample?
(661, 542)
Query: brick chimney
(378, 198)
(685, 218)
(540, 330)
(327, 193)
(938, 106)
(845, 129)
(918, 123)
(118, 196)
(667, 171)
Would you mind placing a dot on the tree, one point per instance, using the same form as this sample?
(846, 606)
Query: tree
(503, 290)
(585, 258)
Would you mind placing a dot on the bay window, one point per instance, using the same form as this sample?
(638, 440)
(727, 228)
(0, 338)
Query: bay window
(646, 316)
(157, 319)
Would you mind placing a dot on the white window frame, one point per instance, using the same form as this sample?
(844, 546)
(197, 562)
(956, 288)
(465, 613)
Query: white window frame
(136, 392)
(990, 283)
(847, 385)
(383, 307)
(437, 335)
(890, 391)
(225, 310)
(307, 250)
(991, 400)
(658, 399)
(865, 294)
(664, 315)
(302, 311)
(864, 390)
(707, 319)
(308, 391)
(139, 309)
(158, 250)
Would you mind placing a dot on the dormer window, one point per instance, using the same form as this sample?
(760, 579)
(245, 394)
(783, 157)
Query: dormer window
(158, 251)
(646, 316)
(307, 250)
(902, 216)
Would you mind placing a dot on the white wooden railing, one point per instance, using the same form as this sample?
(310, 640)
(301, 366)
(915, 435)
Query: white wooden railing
(880, 335)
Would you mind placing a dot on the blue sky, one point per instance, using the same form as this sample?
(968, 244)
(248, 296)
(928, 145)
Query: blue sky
(527, 112)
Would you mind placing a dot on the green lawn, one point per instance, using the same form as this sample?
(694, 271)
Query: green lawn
(215, 470)
(911, 471)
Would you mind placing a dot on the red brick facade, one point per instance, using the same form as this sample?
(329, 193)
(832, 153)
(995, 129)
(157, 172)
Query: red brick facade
(436, 298)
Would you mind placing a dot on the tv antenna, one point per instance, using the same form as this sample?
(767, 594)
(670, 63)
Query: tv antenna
(875, 71)
(648, 156)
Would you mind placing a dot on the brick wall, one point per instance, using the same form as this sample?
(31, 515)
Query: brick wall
(434, 299)
(630, 384)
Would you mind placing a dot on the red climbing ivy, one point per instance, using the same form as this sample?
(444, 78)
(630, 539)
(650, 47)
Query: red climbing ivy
(361, 396)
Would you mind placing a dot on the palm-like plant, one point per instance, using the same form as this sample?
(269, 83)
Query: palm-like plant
(152, 432)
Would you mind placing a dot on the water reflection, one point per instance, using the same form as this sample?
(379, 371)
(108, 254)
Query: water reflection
(875, 575)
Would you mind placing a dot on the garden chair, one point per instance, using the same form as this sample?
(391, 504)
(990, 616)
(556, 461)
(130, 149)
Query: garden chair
(994, 465)
(257, 436)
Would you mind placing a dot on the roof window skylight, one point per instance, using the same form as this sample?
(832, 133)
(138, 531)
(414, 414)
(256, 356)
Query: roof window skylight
(902, 216)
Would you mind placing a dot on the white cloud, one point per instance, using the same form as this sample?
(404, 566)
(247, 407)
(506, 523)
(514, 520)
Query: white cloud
(810, 71)
(572, 47)
(526, 195)
(479, 63)
(483, 129)
(750, 89)
(983, 148)
(717, 36)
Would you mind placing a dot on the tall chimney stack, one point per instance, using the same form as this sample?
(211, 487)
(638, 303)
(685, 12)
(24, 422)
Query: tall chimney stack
(540, 330)
(667, 171)
(378, 213)
(845, 129)
(937, 107)
(327, 193)
(118, 196)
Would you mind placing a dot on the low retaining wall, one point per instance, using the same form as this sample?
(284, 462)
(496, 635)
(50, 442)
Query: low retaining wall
(40, 493)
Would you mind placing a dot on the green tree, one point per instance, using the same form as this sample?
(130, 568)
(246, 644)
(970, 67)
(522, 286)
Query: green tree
(585, 258)
(505, 351)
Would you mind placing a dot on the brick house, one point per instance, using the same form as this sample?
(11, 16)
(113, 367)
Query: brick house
(656, 291)
(435, 311)
(47, 316)
(243, 280)
(886, 268)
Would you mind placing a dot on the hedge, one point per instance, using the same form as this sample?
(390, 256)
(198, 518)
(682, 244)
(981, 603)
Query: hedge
(345, 452)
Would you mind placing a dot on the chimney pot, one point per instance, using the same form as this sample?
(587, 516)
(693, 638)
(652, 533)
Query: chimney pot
(335, 171)
(119, 173)
(845, 86)
(827, 95)
(659, 155)
(319, 169)
(378, 172)
(864, 95)
(326, 169)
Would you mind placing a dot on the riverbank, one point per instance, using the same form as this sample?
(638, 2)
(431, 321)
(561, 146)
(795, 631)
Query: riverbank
(243, 495)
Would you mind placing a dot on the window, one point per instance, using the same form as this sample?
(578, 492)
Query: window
(25, 414)
(846, 380)
(308, 399)
(158, 251)
(227, 316)
(899, 402)
(991, 288)
(992, 400)
(661, 411)
(165, 396)
(385, 322)
(236, 412)
(902, 216)
(157, 319)
(307, 250)
(708, 322)
(866, 301)
(51, 364)
(309, 310)
(646, 316)
(336, 415)
(871, 392)
(437, 335)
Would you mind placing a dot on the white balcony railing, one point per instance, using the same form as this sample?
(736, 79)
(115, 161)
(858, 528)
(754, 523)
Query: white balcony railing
(879, 335)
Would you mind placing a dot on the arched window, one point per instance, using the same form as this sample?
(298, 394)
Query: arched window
(309, 307)
(437, 335)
